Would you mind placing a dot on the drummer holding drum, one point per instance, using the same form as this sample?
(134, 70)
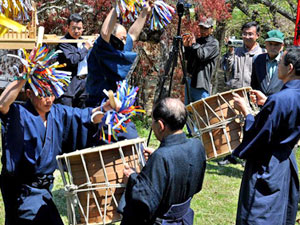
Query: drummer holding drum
(33, 134)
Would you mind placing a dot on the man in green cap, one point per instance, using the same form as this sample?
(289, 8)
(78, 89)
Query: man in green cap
(265, 66)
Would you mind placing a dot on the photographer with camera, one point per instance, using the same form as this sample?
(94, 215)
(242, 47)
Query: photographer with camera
(201, 55)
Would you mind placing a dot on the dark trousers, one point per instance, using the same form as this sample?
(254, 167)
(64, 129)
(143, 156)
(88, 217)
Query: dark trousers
(75, 95)
(47, 214)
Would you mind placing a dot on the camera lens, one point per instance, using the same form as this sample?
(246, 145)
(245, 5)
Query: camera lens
(180, 7)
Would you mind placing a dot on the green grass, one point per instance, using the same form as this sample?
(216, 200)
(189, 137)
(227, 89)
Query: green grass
(216, 204)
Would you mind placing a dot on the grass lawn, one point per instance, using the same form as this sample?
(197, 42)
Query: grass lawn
(216, 204)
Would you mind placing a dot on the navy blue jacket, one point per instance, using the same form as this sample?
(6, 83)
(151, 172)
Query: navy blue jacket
(173, 174)
(259, 77)
(71, 55)
(270, 186)
(30, 150)
(106, 66)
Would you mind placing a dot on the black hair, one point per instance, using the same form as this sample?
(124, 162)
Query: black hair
(292, 56)
(251, 24)
(27, 86)
(171, 111)
(75, 18)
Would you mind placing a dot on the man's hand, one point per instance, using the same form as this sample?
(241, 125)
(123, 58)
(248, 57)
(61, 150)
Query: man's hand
(88, 44)
(147, 7)
(240, 104)
(258, 97)
(97, 114)
(127, 172)
(147, 152)
(189, 39)
(114, 3)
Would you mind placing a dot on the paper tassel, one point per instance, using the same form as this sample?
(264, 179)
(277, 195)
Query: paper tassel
(114, 122)
(12, 11)
(16, 9)
(44, 78)
(161, 15)
(128, 10)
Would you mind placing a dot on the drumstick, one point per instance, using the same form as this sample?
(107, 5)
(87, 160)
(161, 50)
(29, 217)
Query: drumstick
(112, 99)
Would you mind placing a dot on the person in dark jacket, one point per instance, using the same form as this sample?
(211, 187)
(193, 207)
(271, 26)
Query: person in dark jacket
(111, 57)
(201, 55)
(75, 57)
(162, 192)
(269, 191)
(265, 66)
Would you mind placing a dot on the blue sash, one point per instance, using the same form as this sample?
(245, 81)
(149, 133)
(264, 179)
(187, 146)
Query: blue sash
(179, 214)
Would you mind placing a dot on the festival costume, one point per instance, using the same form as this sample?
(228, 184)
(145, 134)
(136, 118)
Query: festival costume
(201, 63)
(260, 76)
(270, 186)
(107, 65)
(75, 94)
(29, 158)
(172, 174)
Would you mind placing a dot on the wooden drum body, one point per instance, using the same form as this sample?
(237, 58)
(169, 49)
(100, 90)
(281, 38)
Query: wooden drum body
(217, 122)
(93, 179)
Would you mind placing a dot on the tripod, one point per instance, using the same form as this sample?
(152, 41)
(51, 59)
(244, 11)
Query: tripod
(171, 64)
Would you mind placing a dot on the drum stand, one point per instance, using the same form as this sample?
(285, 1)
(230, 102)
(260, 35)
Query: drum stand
(177, 50)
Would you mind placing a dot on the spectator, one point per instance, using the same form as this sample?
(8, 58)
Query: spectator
(75, 57)
(239, 65)
(265, 67)
(240, 60)
(201, 55)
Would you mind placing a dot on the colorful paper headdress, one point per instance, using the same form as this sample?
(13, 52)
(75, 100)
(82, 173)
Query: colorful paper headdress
(42, 76)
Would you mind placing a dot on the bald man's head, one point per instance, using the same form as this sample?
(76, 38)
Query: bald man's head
(171, 111)
(120, 32)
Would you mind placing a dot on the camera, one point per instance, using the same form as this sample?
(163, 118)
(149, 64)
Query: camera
(182, 6)
(232, 42)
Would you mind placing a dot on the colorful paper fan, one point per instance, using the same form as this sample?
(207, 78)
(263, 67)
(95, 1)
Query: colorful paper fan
(114, 122)
(12, 11)
(161, 15)
(43, 77)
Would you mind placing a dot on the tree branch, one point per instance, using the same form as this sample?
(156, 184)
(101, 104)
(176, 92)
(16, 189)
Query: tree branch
(278, 9)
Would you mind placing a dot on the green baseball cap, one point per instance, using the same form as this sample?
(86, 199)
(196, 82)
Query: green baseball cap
(275, 35)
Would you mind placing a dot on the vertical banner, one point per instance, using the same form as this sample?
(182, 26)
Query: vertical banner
(297, 27)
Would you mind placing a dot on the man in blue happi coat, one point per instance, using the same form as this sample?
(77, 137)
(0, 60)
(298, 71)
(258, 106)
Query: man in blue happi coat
(162, 192)
(270, 186)
(111, 57)
(33, 134)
